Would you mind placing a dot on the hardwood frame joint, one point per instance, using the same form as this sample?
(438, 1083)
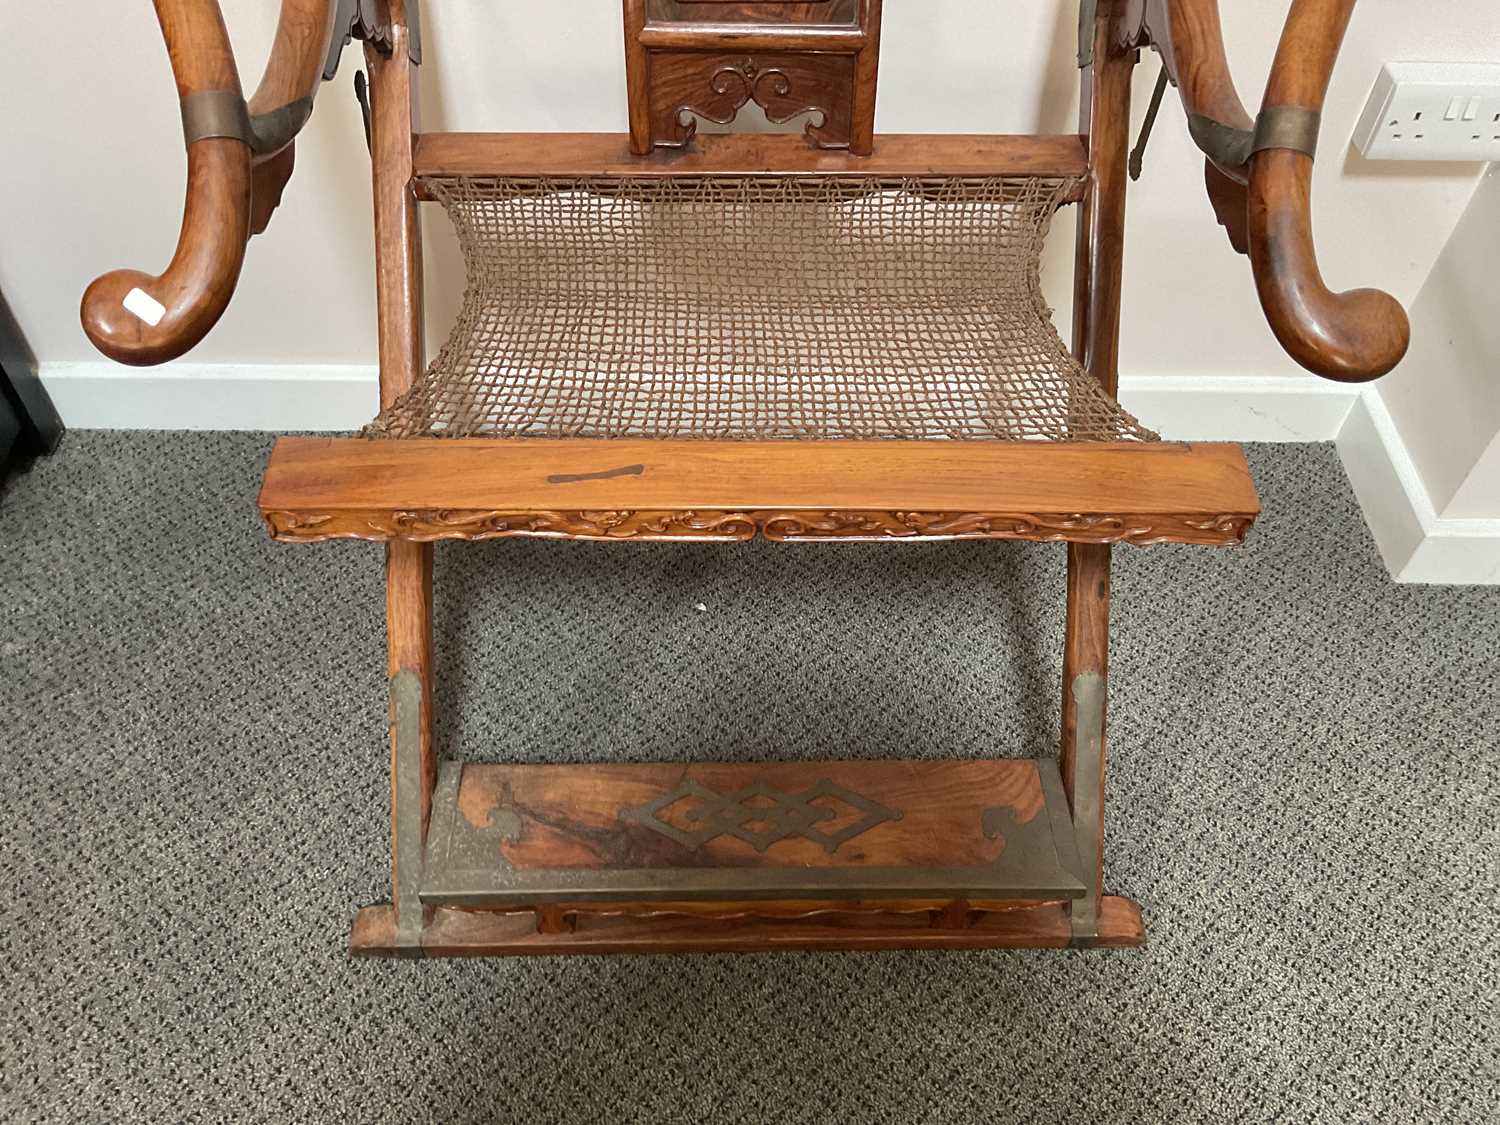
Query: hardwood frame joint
(210, 114)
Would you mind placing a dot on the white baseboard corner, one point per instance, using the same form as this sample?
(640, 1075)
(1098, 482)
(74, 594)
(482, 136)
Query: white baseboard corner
(1418, 546)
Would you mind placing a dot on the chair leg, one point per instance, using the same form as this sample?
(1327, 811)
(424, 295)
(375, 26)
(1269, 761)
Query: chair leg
(1085, 697)
(413, 764)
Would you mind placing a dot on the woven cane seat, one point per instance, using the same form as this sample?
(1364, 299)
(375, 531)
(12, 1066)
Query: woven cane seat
(755, 307)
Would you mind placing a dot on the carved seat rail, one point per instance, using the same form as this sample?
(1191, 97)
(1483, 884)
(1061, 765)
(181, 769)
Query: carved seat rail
(426, 489)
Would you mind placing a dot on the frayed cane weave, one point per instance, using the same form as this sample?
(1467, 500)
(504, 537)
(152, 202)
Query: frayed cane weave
(755, 308)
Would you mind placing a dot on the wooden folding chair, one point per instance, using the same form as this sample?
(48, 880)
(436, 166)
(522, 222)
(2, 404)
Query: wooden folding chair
(816, 336)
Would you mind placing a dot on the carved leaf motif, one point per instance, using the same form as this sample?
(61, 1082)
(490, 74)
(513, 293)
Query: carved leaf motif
(783, 526)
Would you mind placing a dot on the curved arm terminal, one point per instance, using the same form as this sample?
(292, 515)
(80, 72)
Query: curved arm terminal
(239, 158)
(1351, 337)
(1260, 178)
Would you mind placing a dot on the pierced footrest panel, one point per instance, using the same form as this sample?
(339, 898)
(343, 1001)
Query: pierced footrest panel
(917, 833)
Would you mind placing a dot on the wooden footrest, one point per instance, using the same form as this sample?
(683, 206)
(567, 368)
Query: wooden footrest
(784, 838)
(426, 489)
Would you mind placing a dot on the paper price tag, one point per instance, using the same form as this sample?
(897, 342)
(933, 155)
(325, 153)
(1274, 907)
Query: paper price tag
(144, 306)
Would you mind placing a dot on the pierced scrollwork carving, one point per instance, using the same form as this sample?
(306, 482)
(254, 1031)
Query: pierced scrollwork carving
(781, 526)
(690, 86)
(739, 83)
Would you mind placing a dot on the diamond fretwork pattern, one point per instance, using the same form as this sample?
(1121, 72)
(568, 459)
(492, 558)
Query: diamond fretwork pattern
(761, 815)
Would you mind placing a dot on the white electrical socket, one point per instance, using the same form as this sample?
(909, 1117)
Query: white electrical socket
(1432, 111)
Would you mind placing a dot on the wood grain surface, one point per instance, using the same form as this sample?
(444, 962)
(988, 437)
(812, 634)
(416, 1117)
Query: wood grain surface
(608, 154)
(428, 489)
(572, 816)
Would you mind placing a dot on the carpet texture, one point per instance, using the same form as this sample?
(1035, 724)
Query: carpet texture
(1303, 787)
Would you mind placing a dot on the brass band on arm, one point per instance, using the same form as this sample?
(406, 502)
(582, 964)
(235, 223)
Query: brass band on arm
(239, 157)
(223, 113)
(216, 113)
(1260, 176)
(1293, 127)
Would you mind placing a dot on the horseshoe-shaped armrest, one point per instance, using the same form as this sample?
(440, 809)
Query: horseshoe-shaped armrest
(1350, 337)
(239, 157)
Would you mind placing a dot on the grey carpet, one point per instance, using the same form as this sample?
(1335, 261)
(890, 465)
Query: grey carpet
(1303, 787)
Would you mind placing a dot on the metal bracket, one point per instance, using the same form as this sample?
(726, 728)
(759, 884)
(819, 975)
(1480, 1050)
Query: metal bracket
(1225, 145)
(1282, 126)
(219, 113)
(1138, 154)
(362, 96)
(1153, 30)
(406, 733)
(370, 21)
(1089, 696)
(275, 130)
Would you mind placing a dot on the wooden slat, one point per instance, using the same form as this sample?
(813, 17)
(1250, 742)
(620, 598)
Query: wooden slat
(429, 489)
(608, 154)
(741, 37)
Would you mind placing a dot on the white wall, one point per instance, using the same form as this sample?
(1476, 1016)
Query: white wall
(1445, 401)
(1422, 449)
(91, 161)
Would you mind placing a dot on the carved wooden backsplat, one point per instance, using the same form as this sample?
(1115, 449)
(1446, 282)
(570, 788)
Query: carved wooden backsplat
(701, 59)
(786, 86)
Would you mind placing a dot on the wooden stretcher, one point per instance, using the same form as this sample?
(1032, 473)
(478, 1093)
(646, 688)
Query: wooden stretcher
(510, 859)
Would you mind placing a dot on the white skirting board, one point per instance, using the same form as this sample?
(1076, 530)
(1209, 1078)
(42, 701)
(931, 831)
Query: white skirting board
(188, 396)
(1416, 544)
(206, 396)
